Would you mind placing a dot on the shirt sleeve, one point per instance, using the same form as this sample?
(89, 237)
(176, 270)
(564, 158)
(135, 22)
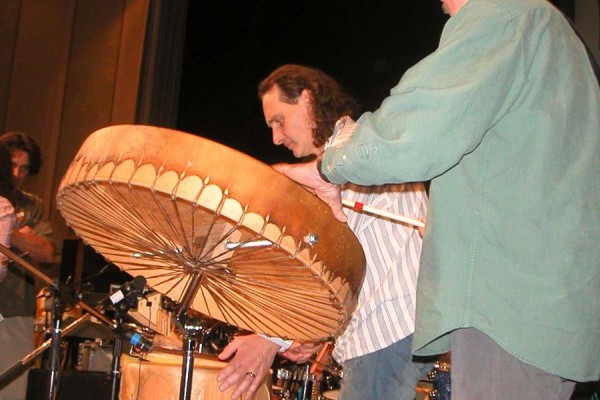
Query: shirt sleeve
(440, 110)
(7, 222)
(342, 133)
(283, 344)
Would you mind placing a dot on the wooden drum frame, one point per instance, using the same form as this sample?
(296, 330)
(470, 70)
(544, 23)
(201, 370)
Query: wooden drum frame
(173, 206)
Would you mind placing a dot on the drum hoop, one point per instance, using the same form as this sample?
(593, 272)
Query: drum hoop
(126, 171)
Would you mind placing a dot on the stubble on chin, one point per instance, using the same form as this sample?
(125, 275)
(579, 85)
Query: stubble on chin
(445, 9)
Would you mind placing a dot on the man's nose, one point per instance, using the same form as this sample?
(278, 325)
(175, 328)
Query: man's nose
(277, 136)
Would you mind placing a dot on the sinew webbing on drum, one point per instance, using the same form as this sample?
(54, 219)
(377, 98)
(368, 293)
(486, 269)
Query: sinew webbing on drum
(169, 205)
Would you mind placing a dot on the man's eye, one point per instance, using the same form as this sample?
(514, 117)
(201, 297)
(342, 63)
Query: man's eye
(21, 168)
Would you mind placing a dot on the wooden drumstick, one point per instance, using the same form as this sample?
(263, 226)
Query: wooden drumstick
(360, 207)
(317, 363)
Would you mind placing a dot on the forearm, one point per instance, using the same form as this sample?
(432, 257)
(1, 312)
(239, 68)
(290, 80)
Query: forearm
(439, 112)
(37, 247)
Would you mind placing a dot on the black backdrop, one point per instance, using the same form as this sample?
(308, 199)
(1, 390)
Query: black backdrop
(366, 45)
(230, 46)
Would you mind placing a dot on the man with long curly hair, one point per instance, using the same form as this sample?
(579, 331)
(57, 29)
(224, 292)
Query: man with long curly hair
(305, 108)
(503, 118)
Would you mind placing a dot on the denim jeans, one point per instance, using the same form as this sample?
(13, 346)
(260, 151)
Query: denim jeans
(387, 374)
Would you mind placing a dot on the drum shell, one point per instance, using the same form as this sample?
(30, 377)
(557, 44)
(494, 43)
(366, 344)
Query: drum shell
(159, 378)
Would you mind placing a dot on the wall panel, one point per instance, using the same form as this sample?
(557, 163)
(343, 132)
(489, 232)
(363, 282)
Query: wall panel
(68, 68)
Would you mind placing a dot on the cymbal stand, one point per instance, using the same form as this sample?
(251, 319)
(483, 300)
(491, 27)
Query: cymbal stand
(193, 335)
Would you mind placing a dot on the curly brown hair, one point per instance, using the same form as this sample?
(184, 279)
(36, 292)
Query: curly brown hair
(330, 101)
(25, 143)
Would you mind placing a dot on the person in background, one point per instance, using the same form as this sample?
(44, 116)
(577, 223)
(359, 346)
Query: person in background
(504, 119)
(33, 235)
(15, 389)
(7, 212)
(32, 239)
(305, 109)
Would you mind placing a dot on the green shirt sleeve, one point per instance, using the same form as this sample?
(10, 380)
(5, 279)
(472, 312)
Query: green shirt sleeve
(440, 110)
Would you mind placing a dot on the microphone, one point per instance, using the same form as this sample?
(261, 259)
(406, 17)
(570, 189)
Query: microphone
(128, 290)
(136, 339)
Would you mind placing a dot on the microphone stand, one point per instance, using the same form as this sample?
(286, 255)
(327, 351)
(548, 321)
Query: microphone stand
(58, 309)
(116, 363)
(121, 310)
(63, 297)
(193, 335)
(20, 366)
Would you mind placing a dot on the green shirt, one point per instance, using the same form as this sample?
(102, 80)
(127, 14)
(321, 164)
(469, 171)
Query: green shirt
(504, 117)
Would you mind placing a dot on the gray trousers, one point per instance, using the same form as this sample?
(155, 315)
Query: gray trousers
(16, 341)
(482, 370)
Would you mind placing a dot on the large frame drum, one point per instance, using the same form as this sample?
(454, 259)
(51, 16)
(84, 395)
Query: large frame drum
(173, 206)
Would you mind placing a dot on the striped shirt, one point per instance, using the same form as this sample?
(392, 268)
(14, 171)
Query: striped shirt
(385, 312)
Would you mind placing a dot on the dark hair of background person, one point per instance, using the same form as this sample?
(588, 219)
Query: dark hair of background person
(21, 141)
(7, 185)
(330, 100)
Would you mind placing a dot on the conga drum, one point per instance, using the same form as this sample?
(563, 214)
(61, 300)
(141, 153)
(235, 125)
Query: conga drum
(175, 207)
(158, 377)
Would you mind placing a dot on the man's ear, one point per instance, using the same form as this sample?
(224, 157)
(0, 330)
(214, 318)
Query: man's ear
(306, 99)
(306, 96)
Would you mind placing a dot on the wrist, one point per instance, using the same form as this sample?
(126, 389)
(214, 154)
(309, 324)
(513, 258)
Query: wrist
(282, 343)
(319, 161)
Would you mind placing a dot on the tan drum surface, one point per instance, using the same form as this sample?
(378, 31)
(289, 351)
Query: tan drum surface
(331, 394)
(177, 208)
(159, 378)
